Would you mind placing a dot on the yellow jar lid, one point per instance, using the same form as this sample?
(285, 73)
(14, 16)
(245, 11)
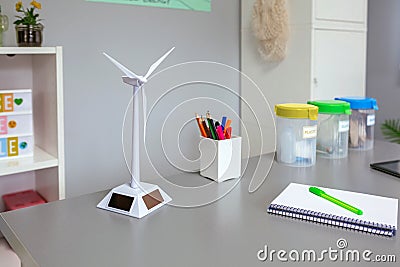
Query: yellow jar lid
(297, 111)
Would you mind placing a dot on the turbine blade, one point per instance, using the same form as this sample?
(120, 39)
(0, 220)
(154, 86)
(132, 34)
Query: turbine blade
(157, 63)
(123, 68)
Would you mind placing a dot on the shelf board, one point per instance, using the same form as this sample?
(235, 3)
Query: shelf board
(40, 160)
(27, 50)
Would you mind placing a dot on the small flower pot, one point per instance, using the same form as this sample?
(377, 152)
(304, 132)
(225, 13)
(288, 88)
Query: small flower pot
(29, 35)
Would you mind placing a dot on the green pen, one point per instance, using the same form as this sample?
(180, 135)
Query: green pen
(211, 126)
(336, 201)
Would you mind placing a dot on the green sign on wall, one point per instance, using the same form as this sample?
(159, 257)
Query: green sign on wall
(198, 5)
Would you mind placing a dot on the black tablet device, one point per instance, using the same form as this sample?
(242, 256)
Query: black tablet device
(390, 167)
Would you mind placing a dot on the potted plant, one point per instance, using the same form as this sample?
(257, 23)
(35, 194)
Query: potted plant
(391, 130)
(28, 29)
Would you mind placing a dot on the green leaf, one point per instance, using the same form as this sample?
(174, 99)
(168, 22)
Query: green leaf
(391, 130)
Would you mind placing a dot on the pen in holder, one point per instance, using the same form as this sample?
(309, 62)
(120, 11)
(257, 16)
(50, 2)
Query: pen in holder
(220, 160)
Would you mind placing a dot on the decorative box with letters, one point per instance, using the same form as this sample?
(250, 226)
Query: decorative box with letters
(16, 123)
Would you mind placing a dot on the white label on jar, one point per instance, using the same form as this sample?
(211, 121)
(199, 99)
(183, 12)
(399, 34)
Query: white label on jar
(370, 120)
(343, 126)
(309, 132)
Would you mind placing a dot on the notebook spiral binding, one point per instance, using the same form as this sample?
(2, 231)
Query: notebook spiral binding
(334, 220)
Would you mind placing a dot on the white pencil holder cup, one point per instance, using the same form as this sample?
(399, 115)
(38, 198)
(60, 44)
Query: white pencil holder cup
(220, 160)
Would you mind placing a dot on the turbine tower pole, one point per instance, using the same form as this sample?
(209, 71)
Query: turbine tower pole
(135, 167)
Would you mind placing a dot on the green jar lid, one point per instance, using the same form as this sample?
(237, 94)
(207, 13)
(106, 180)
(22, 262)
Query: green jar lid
(297, 111)
(332, 106)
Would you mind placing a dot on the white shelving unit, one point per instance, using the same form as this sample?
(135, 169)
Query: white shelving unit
(40, 69)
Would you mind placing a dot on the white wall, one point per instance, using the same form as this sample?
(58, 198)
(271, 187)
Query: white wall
(279, 82)
(96, 99)
(383, 59)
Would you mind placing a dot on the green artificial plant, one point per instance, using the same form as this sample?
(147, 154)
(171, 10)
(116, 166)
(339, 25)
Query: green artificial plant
(391, 130)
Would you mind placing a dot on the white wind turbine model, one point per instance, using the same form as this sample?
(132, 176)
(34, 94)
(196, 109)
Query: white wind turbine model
(136, 199)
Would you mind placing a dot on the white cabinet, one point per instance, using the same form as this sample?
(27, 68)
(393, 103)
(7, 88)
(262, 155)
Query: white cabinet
(339, 64)
(341, 10)
(326, 57)
(39, 69)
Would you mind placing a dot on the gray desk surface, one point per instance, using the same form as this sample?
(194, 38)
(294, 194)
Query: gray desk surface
(228, 232)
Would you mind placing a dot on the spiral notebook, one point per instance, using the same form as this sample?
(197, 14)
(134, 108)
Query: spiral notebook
(379, 213)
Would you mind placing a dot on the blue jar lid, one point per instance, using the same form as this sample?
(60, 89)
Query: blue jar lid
(360, 102)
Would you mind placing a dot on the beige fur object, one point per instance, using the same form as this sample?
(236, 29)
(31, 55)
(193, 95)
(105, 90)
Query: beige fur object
(270, 26)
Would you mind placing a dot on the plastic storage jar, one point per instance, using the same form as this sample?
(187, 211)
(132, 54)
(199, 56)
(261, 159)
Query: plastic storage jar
(333, 128)
(296, 128)
(362, 121)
